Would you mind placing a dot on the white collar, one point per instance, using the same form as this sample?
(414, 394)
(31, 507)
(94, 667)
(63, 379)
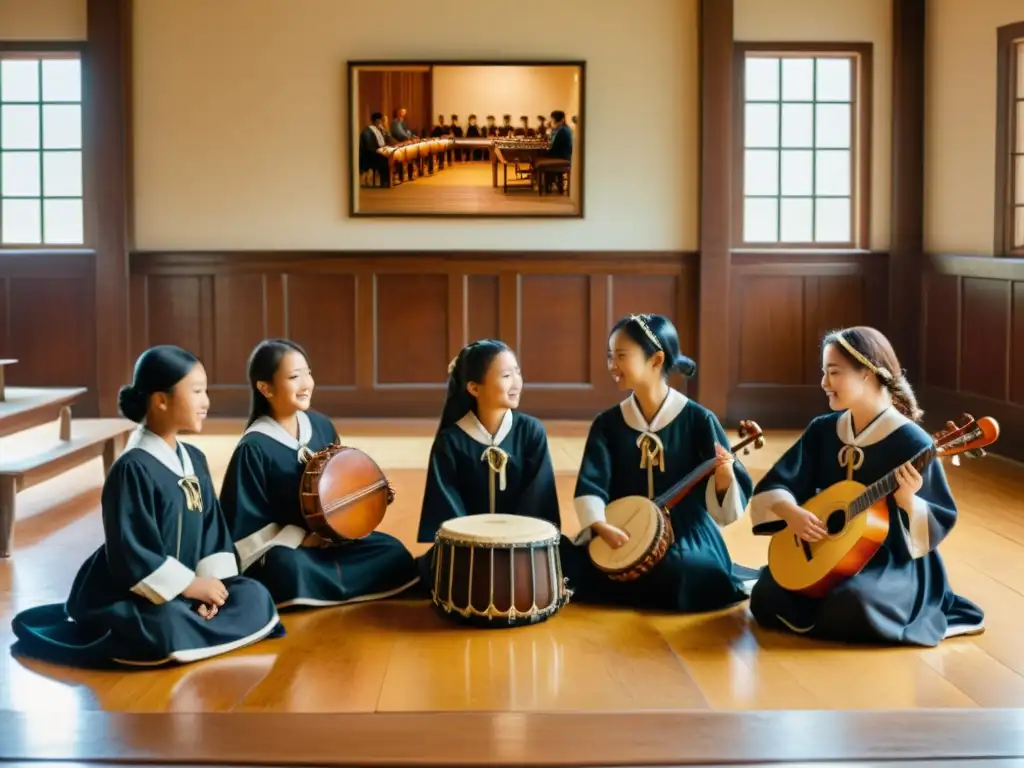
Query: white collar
(887, 422)
(471, 425)
(265, 425)
(179, 462)
(670, 409)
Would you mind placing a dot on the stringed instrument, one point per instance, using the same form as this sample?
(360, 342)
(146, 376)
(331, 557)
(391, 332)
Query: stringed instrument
(646, 521)
(857, 516)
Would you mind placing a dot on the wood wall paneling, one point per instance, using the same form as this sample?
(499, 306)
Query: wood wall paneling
(380, 329)
(385, 91)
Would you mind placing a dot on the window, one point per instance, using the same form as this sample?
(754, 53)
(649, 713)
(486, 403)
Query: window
(41, 150)
(1017, 154)
(802, 173)
(1010, 143)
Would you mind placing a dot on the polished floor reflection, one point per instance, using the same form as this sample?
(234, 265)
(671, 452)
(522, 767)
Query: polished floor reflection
(399, 656)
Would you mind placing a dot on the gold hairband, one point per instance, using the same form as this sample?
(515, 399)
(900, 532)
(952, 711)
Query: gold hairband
(639, 320)
(451, 365)
(882, 373)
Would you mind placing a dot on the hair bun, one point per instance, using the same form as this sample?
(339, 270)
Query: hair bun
(132, 403)
(684, 365)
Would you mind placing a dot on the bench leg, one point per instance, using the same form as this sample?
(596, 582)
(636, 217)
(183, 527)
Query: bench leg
(8, 493)
(65, 423)
(111, 450)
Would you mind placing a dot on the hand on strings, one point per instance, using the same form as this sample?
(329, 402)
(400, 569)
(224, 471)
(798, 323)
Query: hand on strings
(612, 536)
(723, 468)
(207, 591)
(909, 482)
(805, 524)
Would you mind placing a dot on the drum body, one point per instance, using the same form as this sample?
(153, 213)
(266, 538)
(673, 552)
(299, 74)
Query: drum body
(650, 535)
(498, 570)
(344, 494)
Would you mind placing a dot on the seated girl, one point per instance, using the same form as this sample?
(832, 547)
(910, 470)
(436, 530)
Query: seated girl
(902, 595)
(487, 457)
(164, 587)
(642, 447)
(260, 497)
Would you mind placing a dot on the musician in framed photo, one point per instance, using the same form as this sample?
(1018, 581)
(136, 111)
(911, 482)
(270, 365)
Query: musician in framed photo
(261, 499)
(857, 510)
(637, 450)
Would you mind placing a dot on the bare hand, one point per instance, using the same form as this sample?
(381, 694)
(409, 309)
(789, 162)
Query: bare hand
(315, 541)
(207, 611)
(612, 536)
(207, 591)
(806, 525)
(909, 482)
(723, 468)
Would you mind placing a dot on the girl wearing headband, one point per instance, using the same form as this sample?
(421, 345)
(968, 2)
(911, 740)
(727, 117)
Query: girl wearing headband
(641, 447)
(902, 596)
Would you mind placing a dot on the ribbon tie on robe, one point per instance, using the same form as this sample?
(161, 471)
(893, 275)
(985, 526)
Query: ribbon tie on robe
(304, 454)
(652, 453)
(496, 460)
(851, 457)
(193, 493)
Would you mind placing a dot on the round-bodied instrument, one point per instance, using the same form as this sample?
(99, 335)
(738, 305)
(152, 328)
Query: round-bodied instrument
(498, 570)
(343, 495)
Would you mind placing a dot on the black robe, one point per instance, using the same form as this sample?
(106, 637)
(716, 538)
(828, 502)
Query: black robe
(260, 497)
(163, 527)
(902, 595)
(697, 573)
(462, 478)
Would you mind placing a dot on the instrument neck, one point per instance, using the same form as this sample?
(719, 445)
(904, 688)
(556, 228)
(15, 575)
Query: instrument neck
(674, 495)
(881, 488)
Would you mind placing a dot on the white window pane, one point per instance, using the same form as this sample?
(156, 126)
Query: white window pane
(798, 172)
(762, 79)
(62, 126)
(1020, 127)
(1018, 227)
(19, 80)
(797, 125)
(761, 172)
(20, 127)
(21, 221)
(798, 79)
(62, 174)
(1018, 180)
(760, 220)
(797, 219)
(832, 126)
(832, 220)
(833, 79)
(63, 221)
(20, 174)
(761, 125)
(832, 172)
(62, 80)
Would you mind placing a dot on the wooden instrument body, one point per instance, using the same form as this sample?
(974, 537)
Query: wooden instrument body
(649, 528)
(343, 495)
(816, 568)
(498, 571)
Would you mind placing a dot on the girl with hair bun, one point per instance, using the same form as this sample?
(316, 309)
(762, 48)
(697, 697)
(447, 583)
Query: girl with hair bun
(487, 456)
(164, 587)
(260, 496)
(642, 447)
(902, 595)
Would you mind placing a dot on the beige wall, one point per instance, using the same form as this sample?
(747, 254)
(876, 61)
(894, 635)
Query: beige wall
(851, 21)
(483, 91)
(240, 107)
(960, 122)
(42, 20)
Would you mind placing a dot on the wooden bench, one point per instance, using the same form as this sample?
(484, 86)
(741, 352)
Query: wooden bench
(28, 407)
(80, 441)
(4, 362)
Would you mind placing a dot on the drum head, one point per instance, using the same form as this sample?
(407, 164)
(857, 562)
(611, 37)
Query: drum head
(498, 529)
(636, 516)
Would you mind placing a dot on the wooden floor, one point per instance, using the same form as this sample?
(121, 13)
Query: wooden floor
(399, 658)
(464, 188)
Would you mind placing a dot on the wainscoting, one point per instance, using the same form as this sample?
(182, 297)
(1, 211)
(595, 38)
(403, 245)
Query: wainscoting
(973, 333)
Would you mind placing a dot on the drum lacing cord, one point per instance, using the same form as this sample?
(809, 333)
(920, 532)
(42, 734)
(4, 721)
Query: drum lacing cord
(652, 453)
(851, 457)
(496, 460)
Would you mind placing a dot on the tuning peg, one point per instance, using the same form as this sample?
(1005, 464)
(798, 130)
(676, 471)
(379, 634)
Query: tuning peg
(759, 442)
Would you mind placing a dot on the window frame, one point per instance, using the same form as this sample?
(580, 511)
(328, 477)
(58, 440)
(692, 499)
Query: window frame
(42, 49)
(1008, 38)
(861, 102)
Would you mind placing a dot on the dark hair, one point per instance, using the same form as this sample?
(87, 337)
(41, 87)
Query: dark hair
(158, 369)
(376, 116)
(873, 345)
(263, 364)
(663, 330)
(471, 365)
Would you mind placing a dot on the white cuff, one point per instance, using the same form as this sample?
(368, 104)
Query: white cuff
(918, 533)
(730, 510)
(589, 510)
(254, 546)
(165, 583)
(220, 565)
(761, 506)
